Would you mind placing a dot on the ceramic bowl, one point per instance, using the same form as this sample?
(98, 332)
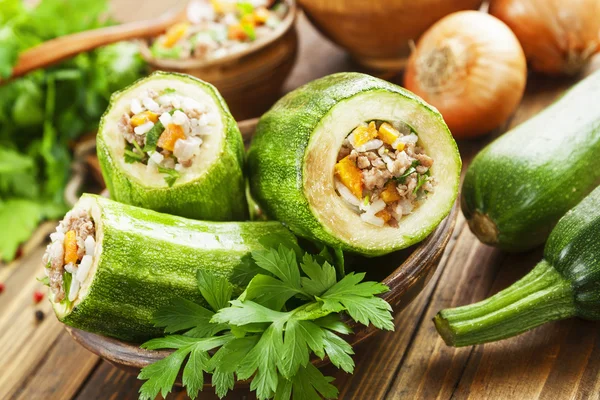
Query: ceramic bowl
(406, 272)
(377, 33)
(250, 80)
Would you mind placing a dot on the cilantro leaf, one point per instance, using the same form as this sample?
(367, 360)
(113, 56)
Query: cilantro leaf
(273, 240)
(281, 263)
(320, 279)
(171, 175)
(161, 375)
(181, 314)
(215, 289)
(152, 136)
(132, 157)
(421, 179)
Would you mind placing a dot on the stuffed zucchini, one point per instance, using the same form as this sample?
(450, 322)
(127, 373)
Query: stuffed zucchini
(110, 266)
(356, 163)
(169, 143)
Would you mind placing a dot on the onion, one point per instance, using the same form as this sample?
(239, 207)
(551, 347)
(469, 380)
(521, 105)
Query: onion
(558, 36)
(471, 67)
(346, 194)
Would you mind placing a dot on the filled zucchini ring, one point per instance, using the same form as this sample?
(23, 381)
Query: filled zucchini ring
(355, 162)
(169, 143)
(110, 266)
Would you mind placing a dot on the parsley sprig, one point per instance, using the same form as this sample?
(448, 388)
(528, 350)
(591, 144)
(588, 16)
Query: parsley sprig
(290, 310)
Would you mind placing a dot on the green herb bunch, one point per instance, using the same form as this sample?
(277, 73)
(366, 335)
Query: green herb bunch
(43, 112)
(289, 311)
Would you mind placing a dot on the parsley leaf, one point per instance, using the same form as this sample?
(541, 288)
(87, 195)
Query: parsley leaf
(171, 175)
(358, 300)
(319, 278)
(152, 136)
(281, 263)
(254, 339)
(215, 289)
(181, 314)
(411, 170)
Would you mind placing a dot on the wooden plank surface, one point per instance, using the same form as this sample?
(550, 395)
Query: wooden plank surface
(557, 361)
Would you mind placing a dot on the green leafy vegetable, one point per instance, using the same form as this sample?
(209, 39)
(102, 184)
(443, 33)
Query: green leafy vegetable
(260, 335)
(245, 8)
(171, 175)
(43, 112)
(152, 136)
(411, 170)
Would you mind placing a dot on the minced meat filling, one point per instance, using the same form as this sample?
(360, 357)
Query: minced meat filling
(164, 131)
(69, 256)
(382, 173)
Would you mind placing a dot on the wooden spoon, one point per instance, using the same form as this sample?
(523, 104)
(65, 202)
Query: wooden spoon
(60, 48)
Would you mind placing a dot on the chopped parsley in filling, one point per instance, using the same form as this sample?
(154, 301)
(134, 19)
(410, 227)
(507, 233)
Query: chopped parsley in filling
(381, 173)
(164, 131)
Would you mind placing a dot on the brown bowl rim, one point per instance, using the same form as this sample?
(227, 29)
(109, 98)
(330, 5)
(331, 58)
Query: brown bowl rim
(181, 65)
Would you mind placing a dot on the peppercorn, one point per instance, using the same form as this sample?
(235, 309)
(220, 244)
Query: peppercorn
(39, 315)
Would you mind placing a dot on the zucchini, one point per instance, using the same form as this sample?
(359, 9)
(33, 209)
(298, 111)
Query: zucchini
(213, 188)
(518, 187)
(566, 283)
(144, 259)
(293, 153)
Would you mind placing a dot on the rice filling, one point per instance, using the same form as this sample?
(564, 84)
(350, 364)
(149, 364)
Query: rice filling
(382, 173)
(69, 256)
(164, 131)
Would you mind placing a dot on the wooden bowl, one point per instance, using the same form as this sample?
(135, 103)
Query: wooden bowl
(377, 33)
(250, 80)
(406, 272)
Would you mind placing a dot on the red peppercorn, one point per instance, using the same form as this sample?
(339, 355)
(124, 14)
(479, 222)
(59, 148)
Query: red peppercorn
(1, 287)
(37, 296)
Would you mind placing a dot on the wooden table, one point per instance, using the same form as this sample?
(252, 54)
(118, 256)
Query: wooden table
(557, 361)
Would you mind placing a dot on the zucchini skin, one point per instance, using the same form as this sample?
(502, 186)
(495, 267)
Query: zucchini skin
(149, 258)
(524, 181)
(278, 150)
(217, 195)
(566, 283)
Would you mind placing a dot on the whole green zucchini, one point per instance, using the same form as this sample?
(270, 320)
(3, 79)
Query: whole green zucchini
(210, 185)
(566, 283)
(295, 154)
(517, 188)
(142, 260)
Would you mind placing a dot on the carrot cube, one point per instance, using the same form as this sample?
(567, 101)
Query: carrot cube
(350, 176)
(168, 138)
(70, 244)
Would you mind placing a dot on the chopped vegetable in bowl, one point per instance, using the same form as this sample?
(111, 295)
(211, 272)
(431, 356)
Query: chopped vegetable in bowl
(219, 28)
(382, 174)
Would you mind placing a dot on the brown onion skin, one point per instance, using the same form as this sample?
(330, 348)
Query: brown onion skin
(558, 37)
(488, 84)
